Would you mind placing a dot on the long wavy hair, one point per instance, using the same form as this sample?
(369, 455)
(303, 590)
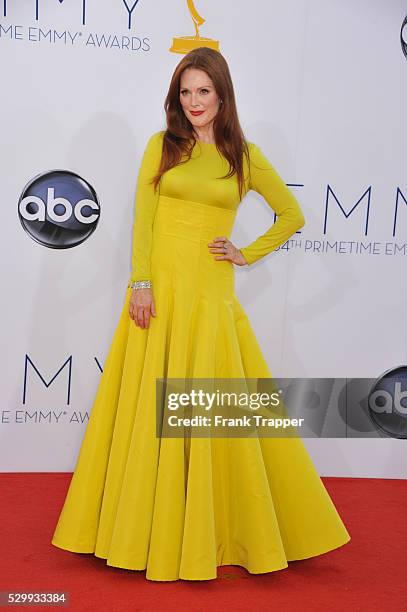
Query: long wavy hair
(179, 138)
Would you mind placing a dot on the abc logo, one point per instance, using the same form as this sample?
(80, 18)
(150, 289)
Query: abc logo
(388, 402)
(59, 209)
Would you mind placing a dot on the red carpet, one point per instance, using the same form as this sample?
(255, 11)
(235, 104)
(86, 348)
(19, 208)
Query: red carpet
(368, 573)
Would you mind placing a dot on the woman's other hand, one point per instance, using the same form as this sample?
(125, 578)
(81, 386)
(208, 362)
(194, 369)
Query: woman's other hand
(141, 306)
(222, 244)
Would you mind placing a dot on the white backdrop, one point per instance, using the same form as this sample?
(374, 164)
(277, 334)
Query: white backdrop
(320, 86)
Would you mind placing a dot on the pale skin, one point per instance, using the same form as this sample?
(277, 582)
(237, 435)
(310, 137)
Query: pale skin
(197, 93)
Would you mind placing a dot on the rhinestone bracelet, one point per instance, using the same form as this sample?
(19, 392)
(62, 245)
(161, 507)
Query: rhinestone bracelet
(143, 284)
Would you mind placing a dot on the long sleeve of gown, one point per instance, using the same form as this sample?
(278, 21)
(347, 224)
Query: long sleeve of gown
(145, 207)
(266, 181)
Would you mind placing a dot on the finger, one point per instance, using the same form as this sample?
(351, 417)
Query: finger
(223, 238)
(137, 317)
(153, 311)
(134, 316)
(140, 317)
(217, 249)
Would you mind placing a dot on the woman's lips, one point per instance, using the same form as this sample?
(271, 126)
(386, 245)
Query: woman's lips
(196, 112)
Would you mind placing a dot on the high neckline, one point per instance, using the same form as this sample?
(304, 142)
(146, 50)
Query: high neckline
(205, 143)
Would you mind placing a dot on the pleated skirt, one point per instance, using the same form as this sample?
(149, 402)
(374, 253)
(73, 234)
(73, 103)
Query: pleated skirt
(180, 507)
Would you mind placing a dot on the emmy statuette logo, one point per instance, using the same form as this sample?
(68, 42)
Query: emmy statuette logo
(185, 44)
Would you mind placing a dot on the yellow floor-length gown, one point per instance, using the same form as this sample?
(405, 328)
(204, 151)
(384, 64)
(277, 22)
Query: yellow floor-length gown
(178, 509)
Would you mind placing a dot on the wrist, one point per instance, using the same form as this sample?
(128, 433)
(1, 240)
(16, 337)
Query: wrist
(246, 263)
(141, 284)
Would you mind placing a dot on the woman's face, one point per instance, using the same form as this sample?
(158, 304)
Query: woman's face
(197, 93)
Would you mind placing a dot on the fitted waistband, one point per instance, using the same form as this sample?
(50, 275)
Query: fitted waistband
(192, 220)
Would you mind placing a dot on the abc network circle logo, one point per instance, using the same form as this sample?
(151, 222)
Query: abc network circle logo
(387, 402)
(59, 209)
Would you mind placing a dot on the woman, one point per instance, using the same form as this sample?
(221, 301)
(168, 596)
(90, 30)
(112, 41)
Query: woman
(180, 508)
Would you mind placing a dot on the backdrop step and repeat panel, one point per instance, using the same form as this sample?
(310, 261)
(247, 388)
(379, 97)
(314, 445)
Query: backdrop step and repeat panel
(320, 87)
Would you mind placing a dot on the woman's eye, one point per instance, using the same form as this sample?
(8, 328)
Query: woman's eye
(184, 91)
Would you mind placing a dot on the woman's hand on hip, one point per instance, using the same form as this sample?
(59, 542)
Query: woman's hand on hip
(222, 245)
(142, 306)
